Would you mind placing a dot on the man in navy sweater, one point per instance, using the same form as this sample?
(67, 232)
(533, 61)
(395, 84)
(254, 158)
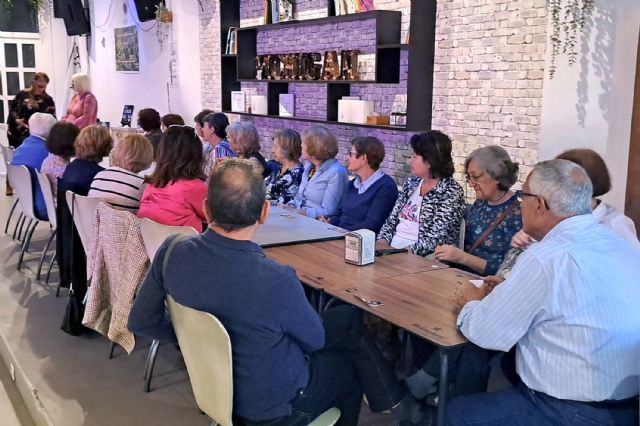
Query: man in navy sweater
(289, 364)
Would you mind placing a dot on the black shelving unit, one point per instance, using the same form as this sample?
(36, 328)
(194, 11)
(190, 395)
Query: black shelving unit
(241, 67)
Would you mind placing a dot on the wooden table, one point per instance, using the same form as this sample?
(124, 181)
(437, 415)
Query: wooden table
(416, 293)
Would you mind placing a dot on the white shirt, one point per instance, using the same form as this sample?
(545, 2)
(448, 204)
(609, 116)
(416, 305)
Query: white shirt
(617, 222)
(409, 224)
(571, 303)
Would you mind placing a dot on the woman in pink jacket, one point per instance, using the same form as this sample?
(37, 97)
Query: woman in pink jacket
(83, 108)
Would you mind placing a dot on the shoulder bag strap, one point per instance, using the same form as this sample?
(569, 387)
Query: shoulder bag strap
(493, 226)
(165, 259)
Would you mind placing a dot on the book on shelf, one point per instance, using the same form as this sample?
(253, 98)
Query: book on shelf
(274, 11)
(286, 105)
(365, 5)
(232, 41)
(237, 101)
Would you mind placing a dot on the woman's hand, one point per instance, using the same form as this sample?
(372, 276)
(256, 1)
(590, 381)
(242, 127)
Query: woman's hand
(324, 219)
(521, 240)
(449, 253)
(382, 245)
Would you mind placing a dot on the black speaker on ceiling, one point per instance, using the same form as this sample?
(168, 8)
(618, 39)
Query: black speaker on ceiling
(146, 9)
(74, 16)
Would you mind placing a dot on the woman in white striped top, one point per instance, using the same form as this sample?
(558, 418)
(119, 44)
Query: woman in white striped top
(120, 185)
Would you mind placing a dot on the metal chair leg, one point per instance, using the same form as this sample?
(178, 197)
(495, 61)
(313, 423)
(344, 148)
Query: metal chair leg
(53, 259)
(151, 360)
(44, 253)
(22, 236)
(112, 346)
(27, 241)
(21, 220)
(6, 227)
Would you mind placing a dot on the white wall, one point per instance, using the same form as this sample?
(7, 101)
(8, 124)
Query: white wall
(589, 105)
(151, 87)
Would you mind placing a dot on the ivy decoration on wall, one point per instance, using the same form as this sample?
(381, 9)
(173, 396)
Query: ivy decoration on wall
(568, 18)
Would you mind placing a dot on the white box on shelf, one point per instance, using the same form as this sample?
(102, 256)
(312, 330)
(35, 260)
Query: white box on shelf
(237, 101)
(259, 104)
(287, 105)
(354, 111)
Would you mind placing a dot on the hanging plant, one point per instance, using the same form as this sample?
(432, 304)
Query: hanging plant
(568, 18)
(164, 18)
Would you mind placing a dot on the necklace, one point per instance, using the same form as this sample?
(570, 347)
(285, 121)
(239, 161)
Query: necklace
(495, 202)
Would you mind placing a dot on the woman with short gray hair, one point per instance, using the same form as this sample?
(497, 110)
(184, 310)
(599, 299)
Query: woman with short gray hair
(493, 219)
(245, 141)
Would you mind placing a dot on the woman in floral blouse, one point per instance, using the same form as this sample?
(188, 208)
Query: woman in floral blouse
(430, 207)
(284, 179)
(491, 173)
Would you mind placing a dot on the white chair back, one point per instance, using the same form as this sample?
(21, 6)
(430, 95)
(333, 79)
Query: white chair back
(206, 349)
(463, 230)
(20, 180)
(47, 192)
(84, 213)
(7, 156)
(154, 234)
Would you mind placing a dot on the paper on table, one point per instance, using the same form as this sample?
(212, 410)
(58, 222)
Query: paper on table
(477, 283)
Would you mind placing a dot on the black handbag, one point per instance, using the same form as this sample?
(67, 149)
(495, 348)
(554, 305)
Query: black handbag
(72, 320)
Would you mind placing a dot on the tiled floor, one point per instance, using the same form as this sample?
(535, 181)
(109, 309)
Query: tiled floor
(70, 379)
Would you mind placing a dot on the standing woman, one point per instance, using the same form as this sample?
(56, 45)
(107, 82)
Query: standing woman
(83, 107)
(26, 103)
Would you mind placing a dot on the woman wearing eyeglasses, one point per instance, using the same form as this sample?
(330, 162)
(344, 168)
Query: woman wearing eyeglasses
(430, 207)
(494, 218)
(176, 189)
(369, 198)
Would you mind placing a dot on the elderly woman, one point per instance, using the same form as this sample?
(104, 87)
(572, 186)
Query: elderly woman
(176, 189)
(149, 121)
(494, 217)
(60, 145)
(83, 107)
(245, 141)
(91, 146)
(368, 200)
(32, 153)
(26, 103)
(120, 185)
(286, 174)
(430, 207)
(324, 178)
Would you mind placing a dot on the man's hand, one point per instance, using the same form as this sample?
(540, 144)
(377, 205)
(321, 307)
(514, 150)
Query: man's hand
(449, 253)
(466, 292)
(324, 219)
(521, 240)
(491, 282)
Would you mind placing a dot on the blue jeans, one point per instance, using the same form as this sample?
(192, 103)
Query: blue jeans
(522, 406)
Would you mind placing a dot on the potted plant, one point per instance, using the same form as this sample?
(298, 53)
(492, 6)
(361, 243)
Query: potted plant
(164, 18)
(163, 14)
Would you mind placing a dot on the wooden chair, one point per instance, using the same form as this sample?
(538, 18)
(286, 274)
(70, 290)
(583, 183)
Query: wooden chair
(153, 235)
(206, 349)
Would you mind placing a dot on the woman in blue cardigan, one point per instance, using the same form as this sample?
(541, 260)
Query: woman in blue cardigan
(369, 198)
(323, 178)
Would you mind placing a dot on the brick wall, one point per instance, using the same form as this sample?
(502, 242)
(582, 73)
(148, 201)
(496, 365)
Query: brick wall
(489, 69)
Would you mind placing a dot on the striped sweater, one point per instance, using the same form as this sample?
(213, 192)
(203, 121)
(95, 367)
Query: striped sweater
(119, 187)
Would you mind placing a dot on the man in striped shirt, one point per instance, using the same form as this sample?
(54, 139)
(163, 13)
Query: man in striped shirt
(570, 307)
(214, 132)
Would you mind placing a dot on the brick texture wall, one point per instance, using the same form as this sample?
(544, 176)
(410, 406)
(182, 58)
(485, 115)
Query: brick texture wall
(489, 69)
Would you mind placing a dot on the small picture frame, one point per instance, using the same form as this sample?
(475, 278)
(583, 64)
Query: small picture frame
(237, 101)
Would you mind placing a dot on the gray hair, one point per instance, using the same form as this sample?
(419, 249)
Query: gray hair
(81, 82)
(495, 161)
(40, 124)
(564, 185)
(245, 136)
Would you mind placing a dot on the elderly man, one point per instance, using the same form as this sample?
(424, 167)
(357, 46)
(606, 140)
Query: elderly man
(32, 153)
(289, 364)
(569, 306)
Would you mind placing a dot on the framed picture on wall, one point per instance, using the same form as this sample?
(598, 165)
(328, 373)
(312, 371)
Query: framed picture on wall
(127, 51)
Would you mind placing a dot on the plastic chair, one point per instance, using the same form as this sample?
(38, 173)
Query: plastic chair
(84, 215)
(47, 192)
(7, 156)
(153, 235)
(206, 349)
(21, 182)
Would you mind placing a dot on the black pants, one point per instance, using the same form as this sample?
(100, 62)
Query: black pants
(349, 365)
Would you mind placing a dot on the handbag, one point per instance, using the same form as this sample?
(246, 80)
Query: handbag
(74, 312)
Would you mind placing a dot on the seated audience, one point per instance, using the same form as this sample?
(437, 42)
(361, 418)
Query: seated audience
(176, 188)
(324, 178)
(199, 121)
(92, 145)
(32, 152)
(430, 207)
(120, 185)
(169, 120)
(217, 146)
(60, 145)
(245, 142)
(289, 364)
(569, 307)
(83, 107)
(493, 219)
(369, 198)
(286, 172)
(149, 121)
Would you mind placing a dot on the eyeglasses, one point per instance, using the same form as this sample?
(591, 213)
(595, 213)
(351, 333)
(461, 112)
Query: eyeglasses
(521, 194)
(473, 179)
